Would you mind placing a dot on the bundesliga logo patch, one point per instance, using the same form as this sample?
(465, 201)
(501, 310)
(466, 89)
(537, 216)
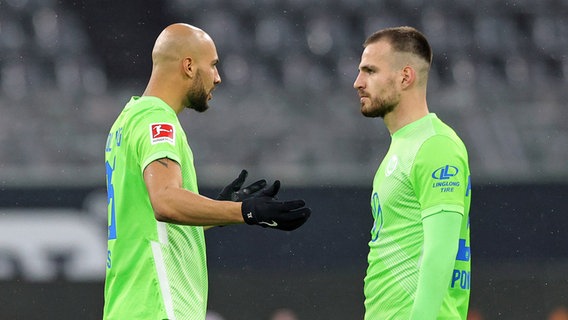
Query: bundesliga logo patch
(162, 132)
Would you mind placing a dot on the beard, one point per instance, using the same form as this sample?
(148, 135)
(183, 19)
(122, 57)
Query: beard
(380, 107)
(197, 96)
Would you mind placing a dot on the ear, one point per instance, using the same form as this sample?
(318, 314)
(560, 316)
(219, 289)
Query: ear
(408, 76)
(188, 68)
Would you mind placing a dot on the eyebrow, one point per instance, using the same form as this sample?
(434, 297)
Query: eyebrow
(367, 67)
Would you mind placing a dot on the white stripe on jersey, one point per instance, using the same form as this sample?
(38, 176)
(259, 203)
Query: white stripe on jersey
(163, 279)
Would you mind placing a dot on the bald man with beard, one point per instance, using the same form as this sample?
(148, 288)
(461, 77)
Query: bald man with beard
(156, 262)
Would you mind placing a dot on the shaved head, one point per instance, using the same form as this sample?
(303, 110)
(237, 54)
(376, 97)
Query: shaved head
(178, 41)
(184, 71)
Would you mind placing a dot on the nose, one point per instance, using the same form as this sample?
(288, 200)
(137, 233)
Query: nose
(217, 78)
(358, 82)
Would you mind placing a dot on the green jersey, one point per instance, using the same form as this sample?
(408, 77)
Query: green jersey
(155, 270)
(425, 172)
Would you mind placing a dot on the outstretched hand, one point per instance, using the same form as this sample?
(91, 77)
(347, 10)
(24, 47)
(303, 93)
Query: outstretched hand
(265, 210)
(235, 192)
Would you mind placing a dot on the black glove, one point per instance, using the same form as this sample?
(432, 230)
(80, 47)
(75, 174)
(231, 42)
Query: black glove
(233, 191)
(265, 211)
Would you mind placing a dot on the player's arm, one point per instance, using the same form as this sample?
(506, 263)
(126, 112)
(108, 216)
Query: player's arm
(441, 237)
(440, 159)
(172, 203)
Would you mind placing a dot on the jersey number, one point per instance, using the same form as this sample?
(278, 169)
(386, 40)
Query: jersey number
(377, 216)
(111, 200)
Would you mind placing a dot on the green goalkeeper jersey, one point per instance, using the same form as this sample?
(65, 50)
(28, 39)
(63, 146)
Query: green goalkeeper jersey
(155, 270)
(424, 172)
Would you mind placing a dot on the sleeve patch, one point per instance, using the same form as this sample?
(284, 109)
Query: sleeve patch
(162, 132)
(444, 178)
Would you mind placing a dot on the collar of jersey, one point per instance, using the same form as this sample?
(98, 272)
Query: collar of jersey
(159, 102)
(409, 128)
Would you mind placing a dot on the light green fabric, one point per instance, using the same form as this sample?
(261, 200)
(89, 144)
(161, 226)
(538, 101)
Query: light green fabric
(155, 270)
(425, 172)
(441, 234)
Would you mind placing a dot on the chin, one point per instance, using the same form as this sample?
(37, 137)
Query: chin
(372, 113)
(201, 109)
(366, 112)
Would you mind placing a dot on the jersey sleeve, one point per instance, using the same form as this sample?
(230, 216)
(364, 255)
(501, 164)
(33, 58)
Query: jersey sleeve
(439, 175)
(441, 235)
(157, 136)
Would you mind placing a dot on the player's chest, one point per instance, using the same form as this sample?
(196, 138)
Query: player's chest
(392, 181)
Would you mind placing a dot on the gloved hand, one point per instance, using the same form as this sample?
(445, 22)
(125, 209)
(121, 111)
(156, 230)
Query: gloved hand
(233, 191)
(266, 211)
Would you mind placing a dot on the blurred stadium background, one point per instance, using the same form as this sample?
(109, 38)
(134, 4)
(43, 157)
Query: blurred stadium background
(286, 109)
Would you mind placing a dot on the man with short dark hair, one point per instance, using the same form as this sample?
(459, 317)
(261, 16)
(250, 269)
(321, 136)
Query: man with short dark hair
(419, 258)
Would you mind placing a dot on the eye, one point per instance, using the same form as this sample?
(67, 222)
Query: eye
(368, 70)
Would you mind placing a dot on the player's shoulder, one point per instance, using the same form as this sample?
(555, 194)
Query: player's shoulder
(149, 104)
(149, 109)
(441, 137)
(438, 125)
(441, 129)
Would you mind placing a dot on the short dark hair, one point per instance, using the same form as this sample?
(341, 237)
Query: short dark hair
(404, 39)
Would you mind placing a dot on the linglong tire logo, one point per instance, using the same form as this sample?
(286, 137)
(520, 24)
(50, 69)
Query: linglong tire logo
(445, 172)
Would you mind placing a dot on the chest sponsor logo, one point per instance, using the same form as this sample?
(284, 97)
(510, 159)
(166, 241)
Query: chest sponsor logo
(162, 132)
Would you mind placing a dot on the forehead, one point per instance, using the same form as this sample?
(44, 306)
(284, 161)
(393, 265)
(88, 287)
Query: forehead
(208, 49)
(376, 53)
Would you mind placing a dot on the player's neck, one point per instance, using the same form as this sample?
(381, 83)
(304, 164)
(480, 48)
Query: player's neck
(405, 114)
(166, 96)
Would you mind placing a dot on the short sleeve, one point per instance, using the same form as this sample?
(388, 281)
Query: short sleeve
(157, 136)
(439, 175)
